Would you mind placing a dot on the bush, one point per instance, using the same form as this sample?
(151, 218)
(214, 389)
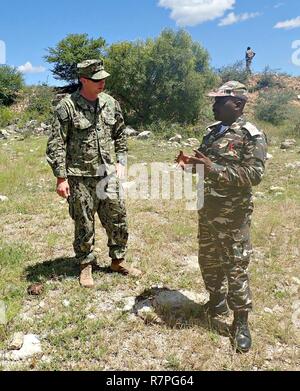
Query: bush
(236, 71)
(11, 82)
(40, 102)
(268, 79)
(6, 116)
(272, 106)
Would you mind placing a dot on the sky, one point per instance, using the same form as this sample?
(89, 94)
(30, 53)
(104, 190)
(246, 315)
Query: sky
(224, 27)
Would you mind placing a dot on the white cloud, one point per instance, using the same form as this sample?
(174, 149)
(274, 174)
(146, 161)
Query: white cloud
(193, 12)
(288, 24)
(278, 5)
(29, 68)
(232, 18)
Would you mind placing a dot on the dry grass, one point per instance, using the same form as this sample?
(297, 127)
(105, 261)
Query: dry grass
(93, 332)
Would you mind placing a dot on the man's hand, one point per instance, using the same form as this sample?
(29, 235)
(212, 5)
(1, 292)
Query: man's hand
(120, 169)
(182, 160)
(200, 158)
(63, 188)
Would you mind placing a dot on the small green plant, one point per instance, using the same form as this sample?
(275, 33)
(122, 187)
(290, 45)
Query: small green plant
(6, 116)
(11, 82)
(40, 103)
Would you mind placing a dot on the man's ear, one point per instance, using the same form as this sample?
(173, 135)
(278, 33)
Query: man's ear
(240, 104)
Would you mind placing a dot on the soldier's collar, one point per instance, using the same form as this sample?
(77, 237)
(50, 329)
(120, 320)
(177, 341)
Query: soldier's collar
(240, 122)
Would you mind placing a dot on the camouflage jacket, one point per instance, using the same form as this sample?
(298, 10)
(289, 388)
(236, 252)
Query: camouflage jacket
(83, 137)
(238, 155)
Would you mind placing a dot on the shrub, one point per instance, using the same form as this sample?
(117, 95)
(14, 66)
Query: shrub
(236, 71)
(268, 79)
(6, 116)
(272, 106)
(11, 82)
(40, 106)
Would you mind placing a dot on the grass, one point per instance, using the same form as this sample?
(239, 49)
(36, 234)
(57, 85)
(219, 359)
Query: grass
(93, 332)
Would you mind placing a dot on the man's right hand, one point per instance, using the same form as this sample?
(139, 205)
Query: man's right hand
(63, 188)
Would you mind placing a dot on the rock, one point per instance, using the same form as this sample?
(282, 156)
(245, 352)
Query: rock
(4, 134)
(16, 342)
(293, 165)
(31, 346)
(268, 310)
(193, 141)
(260, 194)
(288, 143)
(274, 189)
(296, 280)
(191, 262)
(177, 138)
(145, 135)
(269, 156)
(31, 124)
(130, 132)
(129, 304)
(66, 303)
(176, 299)
(35, 289)
(3, 198)
(91, 316)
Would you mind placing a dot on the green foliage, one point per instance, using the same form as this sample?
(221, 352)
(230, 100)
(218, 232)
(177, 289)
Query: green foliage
(236, 71)
(72, 50)
(11, 82)
(163, 79)
(268, 79)
(40, 103)
(273, 106)
(6, 116)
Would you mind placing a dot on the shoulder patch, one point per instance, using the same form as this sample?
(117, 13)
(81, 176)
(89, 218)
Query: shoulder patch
(62, 111)
(252, 129)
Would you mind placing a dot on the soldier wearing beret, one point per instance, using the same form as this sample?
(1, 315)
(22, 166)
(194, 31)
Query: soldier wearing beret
(88, 130)
(233, 153)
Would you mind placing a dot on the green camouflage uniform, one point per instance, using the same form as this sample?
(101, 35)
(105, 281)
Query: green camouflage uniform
(238, 156)
(81, 147)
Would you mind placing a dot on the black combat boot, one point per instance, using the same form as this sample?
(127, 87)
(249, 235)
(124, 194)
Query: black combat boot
(217, 305)
(240, 332)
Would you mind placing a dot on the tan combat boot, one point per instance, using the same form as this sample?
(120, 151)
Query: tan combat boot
(86, 278)
(120, 266)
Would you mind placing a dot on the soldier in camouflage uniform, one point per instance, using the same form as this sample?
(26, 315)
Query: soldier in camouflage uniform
(88, 124)
(233, 152)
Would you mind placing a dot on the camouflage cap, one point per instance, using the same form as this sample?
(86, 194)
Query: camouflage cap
(231, 88)
(92, 69)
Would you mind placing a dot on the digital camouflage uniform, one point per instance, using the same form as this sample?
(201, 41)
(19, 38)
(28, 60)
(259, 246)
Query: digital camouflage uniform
(238, 155)
(81, 146)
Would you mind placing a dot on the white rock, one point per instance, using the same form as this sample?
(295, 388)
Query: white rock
(177, 138)
(145, 135)
(16, 342)
(3, 198)
(293, 165)
(269, 156)
(191, 262)
(277, 188)
(31, 347)
(66, 303)
(130, 132)
(91, 316)
(296, 280)
(268, 310)
(193, 141)
(129, 304)
(288, 143)
(259, 194)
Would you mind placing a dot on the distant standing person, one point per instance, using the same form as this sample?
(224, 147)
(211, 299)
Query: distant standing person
(249, 57)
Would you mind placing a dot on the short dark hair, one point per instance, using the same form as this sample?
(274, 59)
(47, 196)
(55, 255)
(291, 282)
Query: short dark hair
(248, 48)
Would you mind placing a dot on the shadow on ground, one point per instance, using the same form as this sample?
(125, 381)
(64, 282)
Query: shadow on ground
(57, 269)
(176, 310)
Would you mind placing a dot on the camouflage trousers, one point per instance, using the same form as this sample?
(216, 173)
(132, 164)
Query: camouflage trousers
(83, 205)
(224, 256)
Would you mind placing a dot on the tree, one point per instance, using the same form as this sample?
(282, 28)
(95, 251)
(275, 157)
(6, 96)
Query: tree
(235, 71)
(162, 79)
(72, 50)
(11, 81)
